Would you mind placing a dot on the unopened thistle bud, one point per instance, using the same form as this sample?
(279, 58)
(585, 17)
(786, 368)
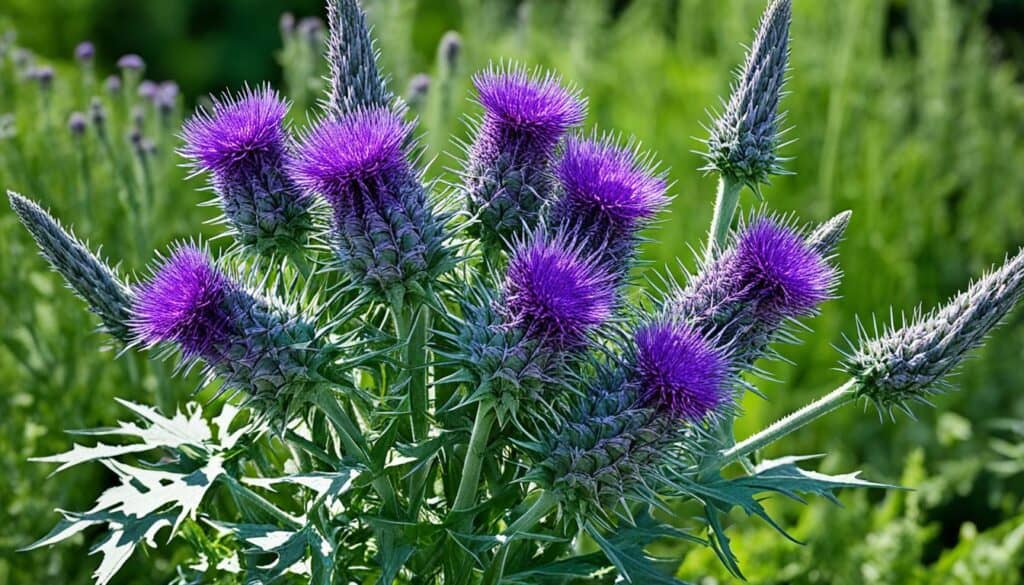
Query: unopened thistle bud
(825, 238)
(605, 194)
(97, 114)
(241, 142)
(286, 23)
(743, 139)
(908, 363)
(43, 75)
(166, 97)
(449, 51)
(267, 352)
(148, 89)
(386, 235)
(90, 277)
(355, 81)
(507, 177)
(608, 451)
(419, 87)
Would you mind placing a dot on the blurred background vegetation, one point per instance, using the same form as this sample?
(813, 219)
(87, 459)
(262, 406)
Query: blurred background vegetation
(908, 112)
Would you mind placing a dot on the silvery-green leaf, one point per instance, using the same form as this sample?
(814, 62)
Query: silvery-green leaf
(81, 454)
(322, 483)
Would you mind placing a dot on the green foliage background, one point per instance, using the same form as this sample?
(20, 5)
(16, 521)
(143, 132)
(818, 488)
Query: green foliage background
(908, 112)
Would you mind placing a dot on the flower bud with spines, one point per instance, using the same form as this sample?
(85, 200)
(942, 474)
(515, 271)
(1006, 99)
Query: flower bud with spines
(89, 276)
(507, 177)
(385, 233)
(906, 364)
(242, 143)
(271, 354)
(606, 193)
(744, 138)
(355, 79)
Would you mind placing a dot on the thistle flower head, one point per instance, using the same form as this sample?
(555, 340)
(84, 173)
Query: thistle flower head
(238, 135)
(905, 364)
(355, 80)
(147, 89)
(183, 302)
(359, 150)
(524, 111)
(77, 123)
(555, 292)
(680, 370)
(777, 269)
(131, 62)
(85, 51)
(449, 50)
(605, 184)
(743, 139)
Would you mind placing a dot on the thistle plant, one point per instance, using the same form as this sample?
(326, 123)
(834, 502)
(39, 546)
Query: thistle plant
(415, 382)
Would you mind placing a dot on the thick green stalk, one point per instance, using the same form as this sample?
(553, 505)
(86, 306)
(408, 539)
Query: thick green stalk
(791, 422)
(475, 451)
(726, 202)
(544, 504)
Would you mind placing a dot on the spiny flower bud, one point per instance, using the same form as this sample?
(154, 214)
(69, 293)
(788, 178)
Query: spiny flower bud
(90, 277)
(905, 364)
(386, 235)
(555, 292)
(241, 141)
(825, 238)
(356, 82)
(608, 450)
(681, 371)
(113, 84)
(419, 87)
(265, 351)
(605, 195)
(449, 50)
(507, 179)
(147, 89)
(744, 138)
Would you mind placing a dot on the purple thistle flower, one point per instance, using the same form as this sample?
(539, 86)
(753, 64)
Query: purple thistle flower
(341, 159)
(184, 303)
(506, 177)
(777, 269)
(166, 97)
(606, 195)
(555, 292)
(385, 234)
(131, 62)
(681, 371)
(241, 142)
(84, 52)
(77, 123)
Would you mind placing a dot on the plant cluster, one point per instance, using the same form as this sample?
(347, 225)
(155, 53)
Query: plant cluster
(432, 381)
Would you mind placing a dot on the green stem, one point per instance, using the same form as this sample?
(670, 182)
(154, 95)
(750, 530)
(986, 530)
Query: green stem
(416, 358)
(840, 396)
(475, 451)
(544, 504)
(726, 201)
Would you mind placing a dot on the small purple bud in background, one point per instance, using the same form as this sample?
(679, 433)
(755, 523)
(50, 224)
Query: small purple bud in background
(606, 194)
(43, 75)
(166, 97)
(555, 292)
(287, 24)
(449, 50)
(77, 124)
(681, 371)
(506, 177)
(183, 302)
(97, 114)
(131, 62)
(386, 235)
(138, 117)
(148, 89)
(113, 84)
(776, 268)
(84, 52)
(419, 87)
(311, 29)
(241, 141)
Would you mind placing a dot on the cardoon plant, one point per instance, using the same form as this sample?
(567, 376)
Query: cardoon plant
(421, 387)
